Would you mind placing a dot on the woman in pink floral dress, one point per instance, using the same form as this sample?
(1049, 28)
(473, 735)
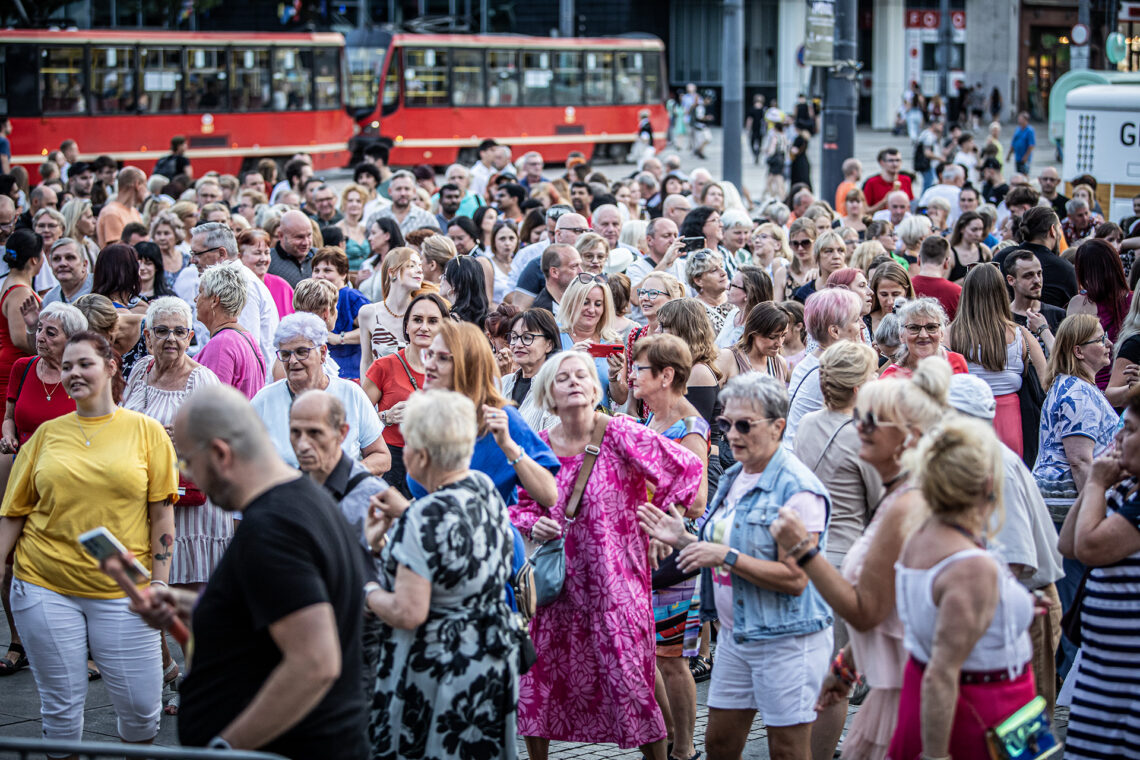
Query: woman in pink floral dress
(593, 680)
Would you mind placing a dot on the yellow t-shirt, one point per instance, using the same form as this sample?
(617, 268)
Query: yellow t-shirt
(66, 488)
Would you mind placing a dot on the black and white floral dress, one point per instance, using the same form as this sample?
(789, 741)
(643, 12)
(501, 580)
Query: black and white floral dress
(449, 688)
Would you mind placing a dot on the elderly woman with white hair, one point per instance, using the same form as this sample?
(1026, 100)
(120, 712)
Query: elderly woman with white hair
(157, 386)
(594, 677)
(302, 348)
(911, 232)
(706, 274)
(232, 353)
(775, 636)
(938, 212)
(49, 224)
(922, 327)
(737, 231)
(448, 639)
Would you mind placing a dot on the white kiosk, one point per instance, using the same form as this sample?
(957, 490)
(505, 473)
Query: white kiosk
(1102, 138)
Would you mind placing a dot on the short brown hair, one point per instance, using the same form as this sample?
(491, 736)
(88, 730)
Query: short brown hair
(334, 256)
(315, 296)
(664, 351)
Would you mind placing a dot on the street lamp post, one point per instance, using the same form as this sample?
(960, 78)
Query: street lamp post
(842, 101)
(733, 111)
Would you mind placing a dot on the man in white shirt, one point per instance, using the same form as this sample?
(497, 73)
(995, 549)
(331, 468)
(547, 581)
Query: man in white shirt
(898, 208)
(407, 214)
(210, 244)
(482, 169)
(953, 177)
(606, 221)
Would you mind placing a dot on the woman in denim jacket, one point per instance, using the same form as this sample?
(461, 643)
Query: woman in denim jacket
(775, 634)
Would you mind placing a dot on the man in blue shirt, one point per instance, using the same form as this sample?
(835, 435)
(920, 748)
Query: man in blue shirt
(1022, 145)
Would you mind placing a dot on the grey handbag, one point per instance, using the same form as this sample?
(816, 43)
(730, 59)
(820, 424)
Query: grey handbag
(549, 559)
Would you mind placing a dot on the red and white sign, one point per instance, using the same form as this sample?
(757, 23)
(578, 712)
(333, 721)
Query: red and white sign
(919, 19)
(1129, 11)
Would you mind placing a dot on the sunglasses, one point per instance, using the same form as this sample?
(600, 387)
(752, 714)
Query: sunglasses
(800, 243)
(744, 427)
(586, 278)
(869, 422)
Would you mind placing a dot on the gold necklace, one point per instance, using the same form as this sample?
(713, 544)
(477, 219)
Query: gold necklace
(87, 439)
(48, 393)
(389, 310)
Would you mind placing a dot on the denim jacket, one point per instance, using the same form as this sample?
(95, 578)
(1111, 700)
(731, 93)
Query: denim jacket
(760, 614)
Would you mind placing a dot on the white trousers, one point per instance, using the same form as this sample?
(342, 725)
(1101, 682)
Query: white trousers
(57, 630)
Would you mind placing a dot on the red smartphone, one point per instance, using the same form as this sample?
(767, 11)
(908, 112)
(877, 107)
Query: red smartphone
(605, 350)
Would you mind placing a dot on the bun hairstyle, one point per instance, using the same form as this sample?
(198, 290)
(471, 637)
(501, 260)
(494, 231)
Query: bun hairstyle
(1036, 223)
(843, 368)
(959, 464)
(23, 246)
(932, 376)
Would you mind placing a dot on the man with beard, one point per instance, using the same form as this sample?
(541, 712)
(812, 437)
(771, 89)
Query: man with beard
(409, 216)
(277, 630)
(1023, 274)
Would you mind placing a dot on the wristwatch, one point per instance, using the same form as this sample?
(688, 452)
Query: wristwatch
(731, 557)
(370, 587)
(219, 743)
(384, 417)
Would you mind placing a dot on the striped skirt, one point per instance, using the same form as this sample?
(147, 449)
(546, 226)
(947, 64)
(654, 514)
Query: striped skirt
(1104, 719)
(201, 535)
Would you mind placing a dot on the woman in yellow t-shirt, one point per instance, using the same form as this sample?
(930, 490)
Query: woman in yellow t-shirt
(100, 465)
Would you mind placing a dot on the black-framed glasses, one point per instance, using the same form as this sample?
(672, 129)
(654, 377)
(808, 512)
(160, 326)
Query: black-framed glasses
(586, 278)
(204, 251)
(930, 328)
(526, 338)
(869, 422)
(575, 230)
(162, 332)
(1103, 340)
(744, 427)
(651, 293)
(300, 353)
(970, 266)
(734, 285)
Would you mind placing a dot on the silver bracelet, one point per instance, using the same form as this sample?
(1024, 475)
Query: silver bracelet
(156, 582)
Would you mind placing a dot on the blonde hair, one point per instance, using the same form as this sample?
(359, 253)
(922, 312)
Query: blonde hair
(542, 387)
(780, 235)
(954, 462)
(439, 249)
(475, 373)
(314, 296)
(673, 286)
(918, 403)
(570, 309)
(1074, 330)
(828, 237)
(865, 253)
(394, 263)
(352, 187)
(843, 369)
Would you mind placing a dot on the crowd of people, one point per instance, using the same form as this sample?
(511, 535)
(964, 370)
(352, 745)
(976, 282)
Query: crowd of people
(819, 454)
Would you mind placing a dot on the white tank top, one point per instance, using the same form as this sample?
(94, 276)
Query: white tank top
(1004, 646)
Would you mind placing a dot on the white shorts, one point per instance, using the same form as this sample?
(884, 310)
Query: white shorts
(779, 678)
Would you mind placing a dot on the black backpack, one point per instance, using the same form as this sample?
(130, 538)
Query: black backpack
(921, 161)
(167, 166)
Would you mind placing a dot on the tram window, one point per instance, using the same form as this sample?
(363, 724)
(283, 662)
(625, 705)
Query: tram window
(467, 78)
(599, 78)
(250, 89)
(326, 65)
(653, 92)
(62, 71)
(537, 78)
(161, 80)
(292, 80)
(503, 78)
(425, 77)
(112, 79)
(630, 78)
(363, 76)
(391, 87)
(207, 83)
(567, 79)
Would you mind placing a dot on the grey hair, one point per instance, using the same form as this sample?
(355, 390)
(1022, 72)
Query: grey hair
(466, 171)
(167, 306)
(217, 235)
(263, 214)
(49, 211)
(69, 317)
(221, 412)
(777, 212)
(696, 266)
(887, 334)
(1074, 205)
(543, 384)
(227, 282)
(442, 423)
(65, 241)
(953, 171)
(759, 390)
(913, 230)
(925, 306)
(939, 203)
(646, 179)
(301, 324)
(402, 174)
(734, 217)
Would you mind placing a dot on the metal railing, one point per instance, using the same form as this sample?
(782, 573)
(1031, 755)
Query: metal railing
(24, 748)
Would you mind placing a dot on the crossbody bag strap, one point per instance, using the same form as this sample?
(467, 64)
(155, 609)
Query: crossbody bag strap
(256, 353)
(593, 448)
(830, 441)
(23, 377)
(408, 370)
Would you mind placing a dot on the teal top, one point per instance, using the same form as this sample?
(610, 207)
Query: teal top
(357, 253)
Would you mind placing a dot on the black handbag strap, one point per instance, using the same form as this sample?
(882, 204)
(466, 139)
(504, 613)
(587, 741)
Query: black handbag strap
(24, 376)
(593, 448)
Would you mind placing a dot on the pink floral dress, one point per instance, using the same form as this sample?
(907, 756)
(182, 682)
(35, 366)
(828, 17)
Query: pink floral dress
(593, 680)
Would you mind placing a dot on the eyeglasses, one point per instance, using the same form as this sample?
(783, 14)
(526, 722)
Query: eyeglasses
(930, 328)
(428, 355)
(204, 251)
(651, 293)
(575, 230)
(524, 338)
(734, 285)
(7, 225)
(301, 353)
(869, 422)
(162, 333)
(638, 368)
(1103, 340)
(586, 278)
(744, 427)
(800, 243)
